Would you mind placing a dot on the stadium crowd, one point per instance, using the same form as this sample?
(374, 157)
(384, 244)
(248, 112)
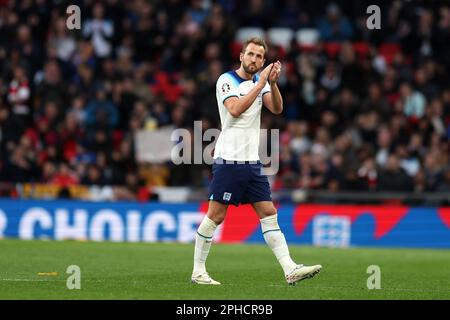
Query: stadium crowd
(355, 117)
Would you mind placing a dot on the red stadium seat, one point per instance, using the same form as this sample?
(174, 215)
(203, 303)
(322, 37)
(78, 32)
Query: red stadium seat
(361, 48)
(332, 49)
(164, 85)
(235, 48)
(388, 51)
(117, 137)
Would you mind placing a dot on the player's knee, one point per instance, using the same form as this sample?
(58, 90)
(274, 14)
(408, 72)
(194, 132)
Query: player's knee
(269, 212)
(217, 217)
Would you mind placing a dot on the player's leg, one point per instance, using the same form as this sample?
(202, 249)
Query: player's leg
(275, 239)
(258, 193)
(273, 235)
(203, 240)
(227, 186)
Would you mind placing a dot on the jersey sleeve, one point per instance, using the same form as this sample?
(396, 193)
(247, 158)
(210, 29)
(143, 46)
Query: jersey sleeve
(226, 88)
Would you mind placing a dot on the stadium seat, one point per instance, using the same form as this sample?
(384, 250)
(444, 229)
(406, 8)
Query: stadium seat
(388, 51)
(171, 91)
(332, 49)
(235, 48)
(361, 48)
(244, 33)
(307, 38)
(281, 37)
(117, 137)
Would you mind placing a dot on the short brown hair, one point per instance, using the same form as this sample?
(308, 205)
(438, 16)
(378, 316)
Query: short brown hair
(257, 41)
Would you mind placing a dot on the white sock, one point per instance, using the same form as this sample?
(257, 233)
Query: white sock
(277, 242)
(203, 240)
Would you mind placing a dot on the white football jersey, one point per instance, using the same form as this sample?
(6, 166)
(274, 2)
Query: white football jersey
(239, 137)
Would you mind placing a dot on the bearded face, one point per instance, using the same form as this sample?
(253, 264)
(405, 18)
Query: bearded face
(252, 59)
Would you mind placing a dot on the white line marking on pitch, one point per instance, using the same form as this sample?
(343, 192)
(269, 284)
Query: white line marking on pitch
(48, 280)
(30, 280)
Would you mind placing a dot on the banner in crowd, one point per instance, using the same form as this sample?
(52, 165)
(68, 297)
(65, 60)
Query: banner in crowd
(306, 224)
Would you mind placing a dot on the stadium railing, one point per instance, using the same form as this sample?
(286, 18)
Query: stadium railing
(188, 194)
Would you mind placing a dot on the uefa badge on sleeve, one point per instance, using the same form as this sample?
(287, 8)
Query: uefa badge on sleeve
(225, 88)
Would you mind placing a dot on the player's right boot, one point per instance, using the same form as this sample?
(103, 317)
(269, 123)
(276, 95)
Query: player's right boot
(204, 278)
(302, 272)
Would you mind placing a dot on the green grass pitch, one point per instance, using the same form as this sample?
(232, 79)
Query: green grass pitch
(162, 271)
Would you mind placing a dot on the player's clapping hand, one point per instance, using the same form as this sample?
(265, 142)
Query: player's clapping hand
(264, 75)
(275, 73)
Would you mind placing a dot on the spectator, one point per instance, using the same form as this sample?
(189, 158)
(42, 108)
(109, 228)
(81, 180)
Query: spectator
(368, 172)
(78, 110)
(393, 177)
(77, 100)
(64, 177)
(384, 141)
(376, 101)
(412, 102)
(444, 185)
(408, 162)
(299, 140)
(433, 172)
(331, 78)
(334, 26)
(101, 112)
(52, 88)
(61, 39)
(100, 31)
(93, 177)
(19, 94)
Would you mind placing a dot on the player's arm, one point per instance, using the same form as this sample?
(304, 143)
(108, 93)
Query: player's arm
(236, 106)
(273, 100)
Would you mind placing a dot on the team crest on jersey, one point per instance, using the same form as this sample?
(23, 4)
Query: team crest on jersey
(226, 196)
(225, 88)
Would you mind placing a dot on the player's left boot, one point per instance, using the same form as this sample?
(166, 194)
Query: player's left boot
(302, 272)
(204, 278)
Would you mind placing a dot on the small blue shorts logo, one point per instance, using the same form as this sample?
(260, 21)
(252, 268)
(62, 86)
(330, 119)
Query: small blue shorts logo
(226, 196)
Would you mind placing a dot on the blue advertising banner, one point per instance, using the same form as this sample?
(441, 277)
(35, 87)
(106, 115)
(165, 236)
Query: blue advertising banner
(308, 224)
